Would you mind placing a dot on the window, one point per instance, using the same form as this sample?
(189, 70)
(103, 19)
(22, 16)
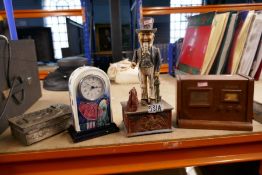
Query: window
(58, 24)
(178, 22)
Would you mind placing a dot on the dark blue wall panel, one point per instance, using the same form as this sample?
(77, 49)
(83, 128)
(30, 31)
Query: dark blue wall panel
(26, 4)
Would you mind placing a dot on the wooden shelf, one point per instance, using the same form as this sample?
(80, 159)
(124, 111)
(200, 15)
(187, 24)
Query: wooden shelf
(147, 11)
(44, 13)
(138, 156)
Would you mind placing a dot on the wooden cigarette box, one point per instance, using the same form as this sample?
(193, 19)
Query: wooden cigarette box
(215, 102)
(36, 126)
(141, 122)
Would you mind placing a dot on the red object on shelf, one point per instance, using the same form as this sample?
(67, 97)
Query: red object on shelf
(195, 43)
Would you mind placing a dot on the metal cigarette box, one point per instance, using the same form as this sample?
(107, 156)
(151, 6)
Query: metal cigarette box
(215, 102)
(33, 127)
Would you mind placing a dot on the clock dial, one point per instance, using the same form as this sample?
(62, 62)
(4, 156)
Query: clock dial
(92, 87)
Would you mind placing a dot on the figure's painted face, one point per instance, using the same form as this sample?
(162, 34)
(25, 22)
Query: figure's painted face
(146, 39)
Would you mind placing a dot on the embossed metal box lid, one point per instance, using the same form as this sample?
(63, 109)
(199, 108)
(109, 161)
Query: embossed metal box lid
(33, 127)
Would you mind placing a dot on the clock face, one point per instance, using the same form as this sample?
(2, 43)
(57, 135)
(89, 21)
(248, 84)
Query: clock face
(92, 87)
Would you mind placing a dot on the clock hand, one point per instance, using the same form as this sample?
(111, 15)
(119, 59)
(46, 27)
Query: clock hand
(94, 87)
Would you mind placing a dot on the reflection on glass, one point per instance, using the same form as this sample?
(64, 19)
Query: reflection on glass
(231, 97)
(199, 98)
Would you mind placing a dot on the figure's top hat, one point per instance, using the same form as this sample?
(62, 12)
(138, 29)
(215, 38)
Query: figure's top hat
(146, 25)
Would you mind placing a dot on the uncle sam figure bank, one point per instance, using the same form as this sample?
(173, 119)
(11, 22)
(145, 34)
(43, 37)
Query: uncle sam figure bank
(148, 59)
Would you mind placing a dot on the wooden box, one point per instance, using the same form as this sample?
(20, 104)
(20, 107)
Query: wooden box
(33, 127)
(141, 122)
(215, 102)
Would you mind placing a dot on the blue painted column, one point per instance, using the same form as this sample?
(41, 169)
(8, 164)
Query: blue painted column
(171, 64)
(132, 22)
(10, 18)
(86, 22)
(139, 13)
(116, 30)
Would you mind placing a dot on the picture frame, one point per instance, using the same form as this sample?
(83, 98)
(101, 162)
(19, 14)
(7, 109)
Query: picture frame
(103, 37)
